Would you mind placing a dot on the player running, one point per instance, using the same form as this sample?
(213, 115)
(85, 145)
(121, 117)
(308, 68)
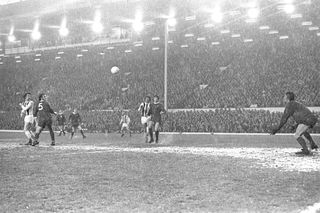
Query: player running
(61, 119)
(27, 112)
(145, 111)
(75, 120)
(42, 112)
(124, 123)
(304, 118)
(156, 110)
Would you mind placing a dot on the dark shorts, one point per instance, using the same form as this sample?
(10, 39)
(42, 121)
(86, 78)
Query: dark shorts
(311, 122)
(75, 125)
(44, 122)
(156, 120)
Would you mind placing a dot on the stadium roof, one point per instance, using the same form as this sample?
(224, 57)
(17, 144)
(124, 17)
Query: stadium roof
(197, 19)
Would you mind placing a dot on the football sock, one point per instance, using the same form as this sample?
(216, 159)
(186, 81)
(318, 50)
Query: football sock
(309, 138)
(36, 137)
(303, 144)
(157, 135)
(51, 133)
(28, 134)
(151, 133)
(72, 133)
(82, 133)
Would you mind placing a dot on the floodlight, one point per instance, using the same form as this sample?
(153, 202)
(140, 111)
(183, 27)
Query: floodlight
(97, 27)
(289, 8)
(253, 13)
(172, 22)
(11, 38)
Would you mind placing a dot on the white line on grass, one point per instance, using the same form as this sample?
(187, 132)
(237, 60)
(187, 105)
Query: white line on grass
(279, 158)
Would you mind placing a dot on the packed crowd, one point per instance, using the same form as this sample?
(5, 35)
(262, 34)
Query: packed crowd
(200, 76)
(220, 120)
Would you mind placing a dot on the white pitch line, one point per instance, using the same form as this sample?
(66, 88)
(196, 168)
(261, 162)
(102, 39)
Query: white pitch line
(312, 209)
(283, 159)
(278, 158)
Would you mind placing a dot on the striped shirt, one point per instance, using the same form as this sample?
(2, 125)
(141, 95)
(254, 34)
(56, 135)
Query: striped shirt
(145, 109)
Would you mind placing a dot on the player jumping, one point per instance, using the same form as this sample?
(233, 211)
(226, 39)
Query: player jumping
(304, 118)
(124, 122)
(61, 119)
(156, 110)
(42, 113)
(27, 110)
(75, 120)
(146, 117)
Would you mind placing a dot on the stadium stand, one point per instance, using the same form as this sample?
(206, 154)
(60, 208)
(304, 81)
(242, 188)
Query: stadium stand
(235, 77)
(208, 68)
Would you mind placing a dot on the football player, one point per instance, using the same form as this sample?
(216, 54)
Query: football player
(304, 118)
(27, 112)
(75, 120)
(42, 112)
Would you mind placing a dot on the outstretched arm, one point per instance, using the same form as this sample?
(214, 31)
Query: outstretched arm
(287, 113)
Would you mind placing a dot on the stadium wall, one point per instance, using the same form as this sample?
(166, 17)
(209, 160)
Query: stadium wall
(270, 109)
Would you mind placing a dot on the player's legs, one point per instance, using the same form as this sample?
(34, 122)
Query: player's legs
(150, 124)
(301, 129)
(156, 130)
(39, 129)
(310, 139)
(128, 129)
(121, 130)
(51, 134)
(73, 129)
(81, 131)
(28, 132)
(61, 130)
(145, 129)
(125, 127)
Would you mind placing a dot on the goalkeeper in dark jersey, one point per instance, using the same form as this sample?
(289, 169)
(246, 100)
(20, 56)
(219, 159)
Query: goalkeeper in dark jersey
(42, 113)
(305, 120)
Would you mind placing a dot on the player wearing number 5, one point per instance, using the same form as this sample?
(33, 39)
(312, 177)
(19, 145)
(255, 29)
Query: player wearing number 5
(42, 112)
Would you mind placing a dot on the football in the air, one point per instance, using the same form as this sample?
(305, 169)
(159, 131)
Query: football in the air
(114, 70)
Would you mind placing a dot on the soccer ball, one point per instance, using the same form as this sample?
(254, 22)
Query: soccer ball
(114, 70)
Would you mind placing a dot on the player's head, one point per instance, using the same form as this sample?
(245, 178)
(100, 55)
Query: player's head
(42, 96)
(147, 99)
(289, 97)
(75, 110)
(27, 96)
(155, 99)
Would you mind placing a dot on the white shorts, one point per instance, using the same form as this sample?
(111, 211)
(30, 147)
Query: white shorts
(145, 119)
(124, 125)
(28, 119)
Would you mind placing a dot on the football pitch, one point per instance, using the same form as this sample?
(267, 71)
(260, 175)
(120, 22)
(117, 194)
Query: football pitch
(183, 173)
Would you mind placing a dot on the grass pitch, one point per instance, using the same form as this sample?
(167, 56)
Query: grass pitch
(184, 173)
